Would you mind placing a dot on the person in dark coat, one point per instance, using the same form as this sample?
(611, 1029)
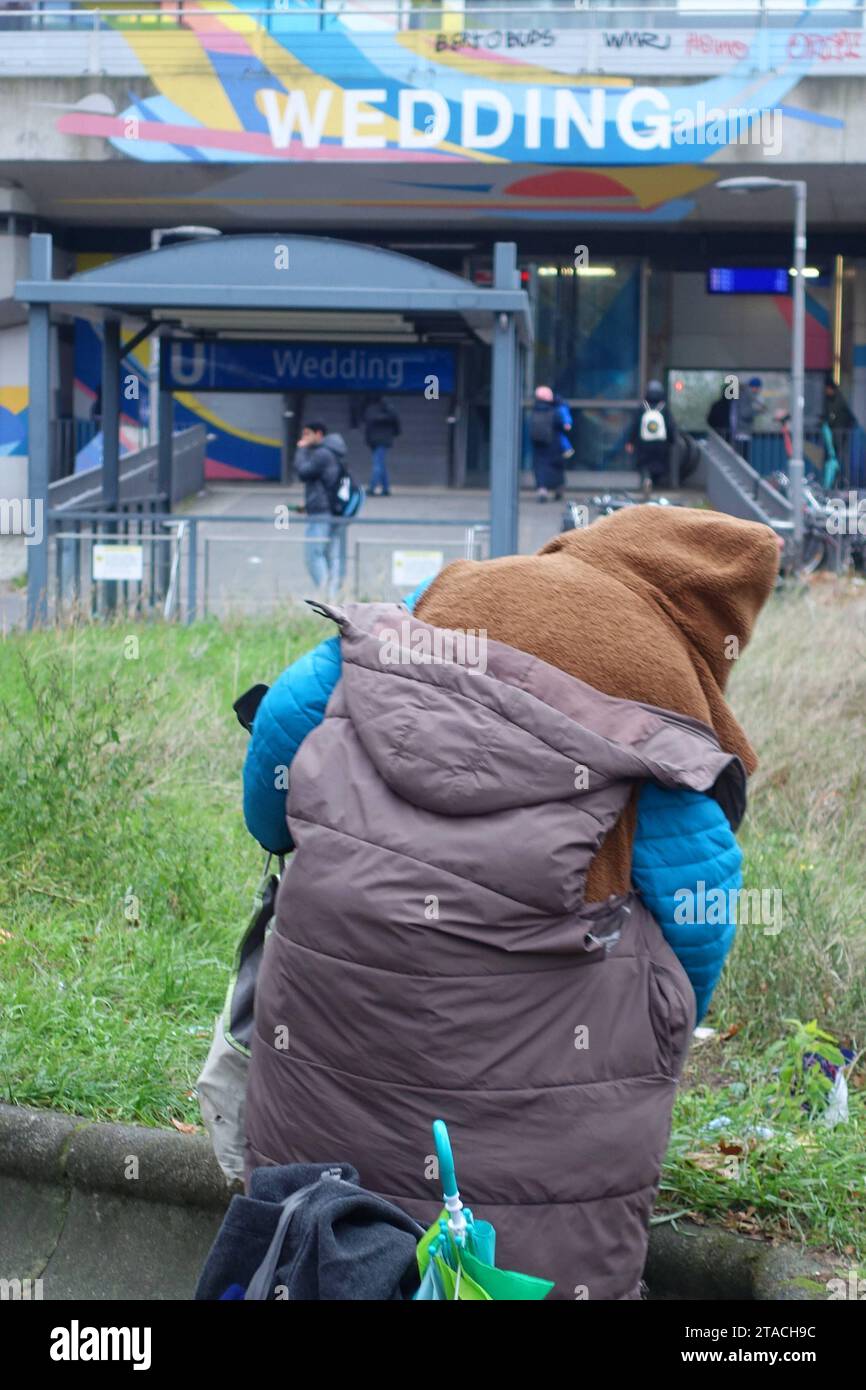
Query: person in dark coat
(838, 416)
(320, 464)
(381, 428)
(719, 415)
(650, 435)
(548, 421)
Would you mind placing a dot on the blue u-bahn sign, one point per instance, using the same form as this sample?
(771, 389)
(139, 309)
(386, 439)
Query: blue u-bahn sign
(188, 365)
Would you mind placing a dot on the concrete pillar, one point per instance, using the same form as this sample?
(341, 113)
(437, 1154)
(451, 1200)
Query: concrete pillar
(856, 289)
(110, 413)
(165, 447)
(40, 432)
(504, 412)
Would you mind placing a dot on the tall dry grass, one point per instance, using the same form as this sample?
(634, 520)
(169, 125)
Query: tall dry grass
(800, 692)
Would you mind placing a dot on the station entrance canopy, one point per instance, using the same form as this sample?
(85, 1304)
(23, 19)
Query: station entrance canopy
(261, 284)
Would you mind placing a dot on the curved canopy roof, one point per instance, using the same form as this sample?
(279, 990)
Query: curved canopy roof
(217, 281)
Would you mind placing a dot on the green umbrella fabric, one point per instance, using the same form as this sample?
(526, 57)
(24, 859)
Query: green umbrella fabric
(479, 1279)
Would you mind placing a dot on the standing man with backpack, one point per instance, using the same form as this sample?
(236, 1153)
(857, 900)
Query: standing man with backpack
(320, 465)
(548, 421)
(381, 427)
(650, 436)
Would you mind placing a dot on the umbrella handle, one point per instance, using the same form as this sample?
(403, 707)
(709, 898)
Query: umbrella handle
(453, 1204)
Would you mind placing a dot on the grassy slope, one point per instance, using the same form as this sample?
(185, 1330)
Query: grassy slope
(126, 875)
(119, 800)
(800, 691)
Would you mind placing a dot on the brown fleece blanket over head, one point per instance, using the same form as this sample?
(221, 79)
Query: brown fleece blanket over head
(650, 604)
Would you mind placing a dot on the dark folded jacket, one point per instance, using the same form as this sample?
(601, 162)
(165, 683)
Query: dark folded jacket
(340, 1242)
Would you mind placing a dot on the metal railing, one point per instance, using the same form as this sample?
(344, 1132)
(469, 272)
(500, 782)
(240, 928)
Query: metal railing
(630, 39)
(137, 471)
(70, 436)
(733, 486)
(197, 564)
(769, 452)
(77, 523)
(512, 18)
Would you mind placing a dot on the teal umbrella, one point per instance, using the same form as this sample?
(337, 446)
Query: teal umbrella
(456, 1255)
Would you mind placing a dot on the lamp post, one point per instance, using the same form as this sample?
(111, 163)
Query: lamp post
(796, 467)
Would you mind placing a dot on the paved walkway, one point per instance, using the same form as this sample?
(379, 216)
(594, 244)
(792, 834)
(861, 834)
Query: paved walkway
(251, 565)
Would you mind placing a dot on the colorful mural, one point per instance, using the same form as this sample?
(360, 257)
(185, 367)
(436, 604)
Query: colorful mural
(233, 449)
(234, 86)
(13, 420)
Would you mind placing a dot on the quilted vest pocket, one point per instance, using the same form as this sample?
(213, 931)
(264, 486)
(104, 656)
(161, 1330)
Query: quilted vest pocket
(672, 1017)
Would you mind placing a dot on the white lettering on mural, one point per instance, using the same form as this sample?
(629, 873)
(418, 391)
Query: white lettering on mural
(532, 119)
(432, 133)
(632, 111)
(354, 118)
(568, 112)
(283, 111)
(484, 119)
(498, 102)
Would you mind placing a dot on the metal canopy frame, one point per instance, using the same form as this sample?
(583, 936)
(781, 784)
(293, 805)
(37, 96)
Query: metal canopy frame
(267, 272)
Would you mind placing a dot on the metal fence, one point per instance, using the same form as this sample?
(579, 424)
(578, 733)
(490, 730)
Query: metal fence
(153, 563)
(733, 486)
(278, 15)
(70, 436)
(769, 453)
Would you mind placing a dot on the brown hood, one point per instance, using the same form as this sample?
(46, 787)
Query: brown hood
(708, 573)
(650, 604)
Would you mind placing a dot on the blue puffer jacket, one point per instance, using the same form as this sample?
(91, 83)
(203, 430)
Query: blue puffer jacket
(683, 838)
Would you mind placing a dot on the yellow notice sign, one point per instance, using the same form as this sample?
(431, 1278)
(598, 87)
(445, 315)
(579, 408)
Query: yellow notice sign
(412, 567)
(118, 561)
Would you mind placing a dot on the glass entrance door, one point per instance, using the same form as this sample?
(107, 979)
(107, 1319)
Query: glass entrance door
(588, 335)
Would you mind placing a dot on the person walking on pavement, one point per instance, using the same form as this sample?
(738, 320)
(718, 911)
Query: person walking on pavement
(650, 436)
(547, 426)
(320, 464)
(381, 428)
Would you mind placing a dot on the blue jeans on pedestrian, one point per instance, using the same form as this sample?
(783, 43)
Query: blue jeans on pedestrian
(322, 553)
(379, 475)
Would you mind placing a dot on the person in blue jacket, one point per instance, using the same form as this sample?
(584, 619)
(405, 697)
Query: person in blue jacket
(683, 839)
(549, 421)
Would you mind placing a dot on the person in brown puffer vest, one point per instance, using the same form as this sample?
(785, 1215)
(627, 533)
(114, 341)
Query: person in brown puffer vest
(457, 934)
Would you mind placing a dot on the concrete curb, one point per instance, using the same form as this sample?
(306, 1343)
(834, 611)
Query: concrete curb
(100, 1211)
(705, 1263)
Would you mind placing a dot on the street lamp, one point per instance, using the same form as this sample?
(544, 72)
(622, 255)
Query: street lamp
(760, 184)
